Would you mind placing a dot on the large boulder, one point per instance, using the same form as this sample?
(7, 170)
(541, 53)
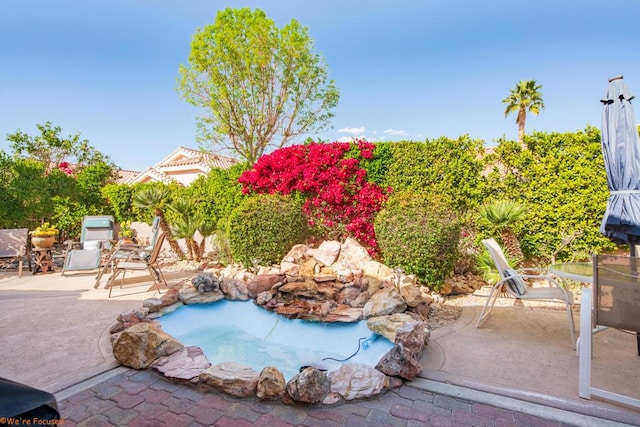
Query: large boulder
(378, 274)
(140, 345)
(412, 336)
(234, 290)
(327, 253)
(309, 386)
(232, 378)
(352, 255)
(389, 324)
(271, 384)
(297, 254)
(262, 283)
(399, 362)
(182, 365)
(357, 381)
(190, 295)
(410, 292)
(385, 301)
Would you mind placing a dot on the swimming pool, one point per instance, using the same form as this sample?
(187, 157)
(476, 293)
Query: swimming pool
(242, 332)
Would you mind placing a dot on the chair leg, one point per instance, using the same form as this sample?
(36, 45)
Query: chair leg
(572, 325)
(494, 293)
(20, 268)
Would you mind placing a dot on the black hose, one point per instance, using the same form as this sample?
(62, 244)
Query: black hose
(344, 360)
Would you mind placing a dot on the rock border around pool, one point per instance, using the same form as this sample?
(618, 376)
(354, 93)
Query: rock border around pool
(335, 282)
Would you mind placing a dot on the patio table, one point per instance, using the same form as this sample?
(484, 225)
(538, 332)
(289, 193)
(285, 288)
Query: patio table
(578, 271)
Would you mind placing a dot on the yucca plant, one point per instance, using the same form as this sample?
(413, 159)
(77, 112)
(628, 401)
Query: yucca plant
(154, 198)
(502, 215)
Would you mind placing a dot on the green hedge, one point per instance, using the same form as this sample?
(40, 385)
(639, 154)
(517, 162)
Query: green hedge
(263, 228)
(419, 234)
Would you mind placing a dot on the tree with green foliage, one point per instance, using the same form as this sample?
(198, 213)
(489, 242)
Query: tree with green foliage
(259, 83)
(525, 96)
(55, 151)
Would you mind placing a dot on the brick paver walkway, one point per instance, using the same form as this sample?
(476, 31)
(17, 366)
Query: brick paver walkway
(142, 398)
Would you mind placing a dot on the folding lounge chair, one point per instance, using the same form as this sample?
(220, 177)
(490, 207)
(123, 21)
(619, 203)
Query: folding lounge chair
(97, 233)
(515, 286)
(614, 302)
(126, 252)
(140, 262)
(13, 245)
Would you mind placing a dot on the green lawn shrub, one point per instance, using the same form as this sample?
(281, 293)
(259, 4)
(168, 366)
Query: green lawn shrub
(419, 233)
(263, 228)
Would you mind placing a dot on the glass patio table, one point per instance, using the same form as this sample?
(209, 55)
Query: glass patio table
(579, 271)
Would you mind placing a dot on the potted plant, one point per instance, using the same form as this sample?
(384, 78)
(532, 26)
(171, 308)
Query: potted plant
(126, 233)
(44, 236)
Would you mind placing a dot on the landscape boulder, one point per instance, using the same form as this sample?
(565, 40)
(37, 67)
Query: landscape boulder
(140, 345)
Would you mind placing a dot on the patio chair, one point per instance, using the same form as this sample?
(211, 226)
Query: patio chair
(122, 252)
(614, 302)
(139, 262)
(96, 236)
(13, 245)
(514, 283)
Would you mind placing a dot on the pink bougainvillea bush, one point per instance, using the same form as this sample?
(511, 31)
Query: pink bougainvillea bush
(338, 197)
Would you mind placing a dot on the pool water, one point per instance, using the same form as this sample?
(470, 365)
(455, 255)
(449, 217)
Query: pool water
(242, 332)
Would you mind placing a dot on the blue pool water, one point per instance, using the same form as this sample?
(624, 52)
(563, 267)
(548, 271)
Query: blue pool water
(242, 332)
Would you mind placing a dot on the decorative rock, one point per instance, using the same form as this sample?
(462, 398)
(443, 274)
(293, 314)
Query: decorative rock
(385, 301)
(289, 268)
(263, 283)
(377, 273)
(411, 294)
(152, 304)
(352, 255)
(182, 365)
(271, 384)
(412, 337)
(297, 254)
(309, 268)
(310, 386)
(357, 381)
(170, 297)
(393, 382)
(189, 295)
(165, 310)
(388, 325)
(235, 290)
(206, 282)
(331, 398)
(344, 313)
(232, 378)
(361, 300)
(327, 253)
(264, 297)
(140, 345)
(399, 362)
(129, 318)
(347, 295)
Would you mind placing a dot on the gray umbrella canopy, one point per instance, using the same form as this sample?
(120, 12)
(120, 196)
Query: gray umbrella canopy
(621, 151)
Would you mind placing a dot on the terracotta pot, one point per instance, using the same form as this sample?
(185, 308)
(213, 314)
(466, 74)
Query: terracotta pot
(43, 242)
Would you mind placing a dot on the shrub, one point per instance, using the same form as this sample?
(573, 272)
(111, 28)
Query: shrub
(338, 197)
(419, 234)
(263, 228)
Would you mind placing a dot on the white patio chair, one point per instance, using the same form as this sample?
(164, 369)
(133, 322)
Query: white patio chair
(514, 283)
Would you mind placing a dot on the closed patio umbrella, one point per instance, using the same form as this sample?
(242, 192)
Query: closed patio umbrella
(621, 151)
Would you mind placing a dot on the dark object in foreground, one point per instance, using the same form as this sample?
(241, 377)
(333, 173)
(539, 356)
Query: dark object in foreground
(24, 404)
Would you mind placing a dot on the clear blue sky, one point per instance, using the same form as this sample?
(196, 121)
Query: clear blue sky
(410, 69)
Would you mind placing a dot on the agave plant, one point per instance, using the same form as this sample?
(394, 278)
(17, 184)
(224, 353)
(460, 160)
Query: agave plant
(502, 215)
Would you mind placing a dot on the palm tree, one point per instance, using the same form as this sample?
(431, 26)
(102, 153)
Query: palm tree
(524, 97)
(502, 216)
(154, 198)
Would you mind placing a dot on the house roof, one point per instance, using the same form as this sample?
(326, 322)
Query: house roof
(182, 165)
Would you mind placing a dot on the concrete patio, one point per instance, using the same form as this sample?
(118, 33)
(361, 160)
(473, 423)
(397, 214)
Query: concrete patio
(56, 335)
